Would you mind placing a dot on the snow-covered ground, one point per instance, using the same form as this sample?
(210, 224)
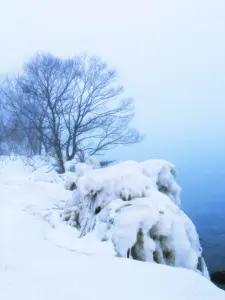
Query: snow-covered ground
(39, 261)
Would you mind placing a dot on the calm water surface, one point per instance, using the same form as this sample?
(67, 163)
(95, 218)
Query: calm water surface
(203, 199)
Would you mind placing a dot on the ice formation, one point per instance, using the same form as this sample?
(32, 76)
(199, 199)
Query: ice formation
(75, 170)
(136, 206)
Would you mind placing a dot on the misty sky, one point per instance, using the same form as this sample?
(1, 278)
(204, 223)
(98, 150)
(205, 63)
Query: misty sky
(170, 56)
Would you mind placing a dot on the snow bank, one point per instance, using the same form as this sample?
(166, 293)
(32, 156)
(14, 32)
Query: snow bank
(21, 167)
(136, 207)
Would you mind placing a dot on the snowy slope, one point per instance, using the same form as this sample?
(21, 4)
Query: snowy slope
(33, 267)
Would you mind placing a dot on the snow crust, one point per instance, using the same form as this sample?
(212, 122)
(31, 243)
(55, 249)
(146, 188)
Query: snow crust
(42, 260)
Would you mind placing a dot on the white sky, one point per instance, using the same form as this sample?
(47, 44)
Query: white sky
(170, 55)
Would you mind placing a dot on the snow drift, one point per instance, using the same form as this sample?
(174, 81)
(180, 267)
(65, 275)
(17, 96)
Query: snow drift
(136, 207)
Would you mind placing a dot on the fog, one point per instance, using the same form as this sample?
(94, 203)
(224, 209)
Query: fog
(170, 56)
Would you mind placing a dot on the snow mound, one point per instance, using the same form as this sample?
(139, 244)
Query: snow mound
(135, 206)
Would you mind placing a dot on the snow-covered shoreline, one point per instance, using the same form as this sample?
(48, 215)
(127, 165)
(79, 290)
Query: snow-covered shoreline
(39, 261)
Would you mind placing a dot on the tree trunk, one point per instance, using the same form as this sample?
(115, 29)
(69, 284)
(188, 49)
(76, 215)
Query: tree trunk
(60, 161)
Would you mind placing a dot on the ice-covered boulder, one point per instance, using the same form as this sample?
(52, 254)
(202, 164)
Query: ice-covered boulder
(136, 206)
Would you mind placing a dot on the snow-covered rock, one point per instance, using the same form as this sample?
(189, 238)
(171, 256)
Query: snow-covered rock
(136, 207)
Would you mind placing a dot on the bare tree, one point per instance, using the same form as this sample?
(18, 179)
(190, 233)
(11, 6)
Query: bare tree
(71, 106)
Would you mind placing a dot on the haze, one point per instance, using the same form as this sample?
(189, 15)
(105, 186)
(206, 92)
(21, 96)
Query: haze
(170, 56)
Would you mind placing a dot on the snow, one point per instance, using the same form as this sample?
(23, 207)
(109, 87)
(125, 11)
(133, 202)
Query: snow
(90, 164)
(130, 178)
(136, 207)
(70, 179)
(42, 260)
(67, 237)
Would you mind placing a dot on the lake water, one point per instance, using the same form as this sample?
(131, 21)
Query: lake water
(203, 199)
